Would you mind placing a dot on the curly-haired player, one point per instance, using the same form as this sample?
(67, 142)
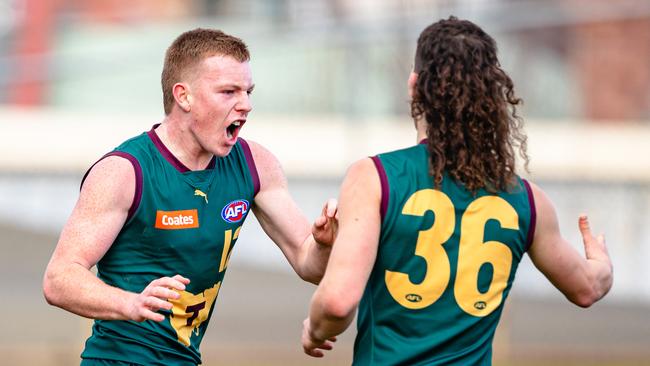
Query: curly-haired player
(430, 236)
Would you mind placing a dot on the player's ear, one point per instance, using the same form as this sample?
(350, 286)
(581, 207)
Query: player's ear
(413, 79)
(182, 96)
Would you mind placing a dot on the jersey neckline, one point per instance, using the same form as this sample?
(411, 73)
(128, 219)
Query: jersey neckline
(169, 156)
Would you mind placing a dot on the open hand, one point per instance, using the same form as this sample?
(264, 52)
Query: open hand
(595, 248)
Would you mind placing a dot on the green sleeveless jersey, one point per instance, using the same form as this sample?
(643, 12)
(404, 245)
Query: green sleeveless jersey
(445, 264)
(181, 221)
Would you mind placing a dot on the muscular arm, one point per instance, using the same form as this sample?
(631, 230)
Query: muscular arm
(583, 280)
(285, 224)
(335, 301)
(96, 220)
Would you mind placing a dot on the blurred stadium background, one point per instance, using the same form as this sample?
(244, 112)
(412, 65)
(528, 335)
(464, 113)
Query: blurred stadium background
(79, 76)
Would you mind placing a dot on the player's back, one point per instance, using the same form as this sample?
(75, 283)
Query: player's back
(445, 264)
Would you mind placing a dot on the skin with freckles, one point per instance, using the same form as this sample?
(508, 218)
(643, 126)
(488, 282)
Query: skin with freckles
(155, 217)
(217, 99)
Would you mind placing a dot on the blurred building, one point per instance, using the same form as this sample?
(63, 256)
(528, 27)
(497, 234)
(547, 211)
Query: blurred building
(578, 59)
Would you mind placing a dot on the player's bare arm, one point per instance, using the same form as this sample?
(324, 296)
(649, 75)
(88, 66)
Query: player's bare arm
(97, 218)
(335, 301)
(583, 280)
(307, 247)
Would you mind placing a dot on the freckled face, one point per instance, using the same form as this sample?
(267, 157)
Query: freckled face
(220, 102)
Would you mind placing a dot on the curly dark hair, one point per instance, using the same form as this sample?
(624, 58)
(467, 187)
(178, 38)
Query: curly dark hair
(469, 106)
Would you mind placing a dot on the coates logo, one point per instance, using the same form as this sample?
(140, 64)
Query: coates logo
(235, 211)
(175, 220)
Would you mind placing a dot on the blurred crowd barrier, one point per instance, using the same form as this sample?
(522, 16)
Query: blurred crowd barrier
(61, 141)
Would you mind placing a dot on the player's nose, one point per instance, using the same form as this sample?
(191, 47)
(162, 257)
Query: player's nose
(244, 103)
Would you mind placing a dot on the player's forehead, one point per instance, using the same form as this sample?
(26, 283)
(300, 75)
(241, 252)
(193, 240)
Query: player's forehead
(225, 70)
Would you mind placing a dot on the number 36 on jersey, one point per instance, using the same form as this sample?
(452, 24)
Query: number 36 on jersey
(473, 253)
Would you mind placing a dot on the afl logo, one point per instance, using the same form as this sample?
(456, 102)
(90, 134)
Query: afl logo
(235, 211)
(480, 305)
(413, 297)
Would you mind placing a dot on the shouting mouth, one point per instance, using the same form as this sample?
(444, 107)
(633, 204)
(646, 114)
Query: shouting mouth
(233, 129)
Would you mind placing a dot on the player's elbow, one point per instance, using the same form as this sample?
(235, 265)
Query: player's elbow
(588, 295)
(49, 287)
(583, 300)
(583, 294)
(48, 292)
(597, 287)
(339, 307)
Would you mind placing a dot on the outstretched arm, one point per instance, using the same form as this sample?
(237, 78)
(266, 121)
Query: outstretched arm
(335, 301)
(96, 220)
(306, 247)
(583, 280)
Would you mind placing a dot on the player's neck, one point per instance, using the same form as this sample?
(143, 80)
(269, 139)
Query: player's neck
(182, 144)
(421, 130)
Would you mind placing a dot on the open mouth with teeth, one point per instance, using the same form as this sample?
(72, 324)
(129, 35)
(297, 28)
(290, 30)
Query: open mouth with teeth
(233, 129)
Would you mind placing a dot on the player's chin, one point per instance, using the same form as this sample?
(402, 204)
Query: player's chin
(222, 150)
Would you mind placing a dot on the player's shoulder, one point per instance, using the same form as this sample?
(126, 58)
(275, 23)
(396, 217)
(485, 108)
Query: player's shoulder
(136, 142)
(262, 156)
(407, 149)
(112, 180)
(545, 212)
(364, 172)
(538, 194)
(362, 166)
(402, 153)
(114, 167)
(411, 156)
(268, 167)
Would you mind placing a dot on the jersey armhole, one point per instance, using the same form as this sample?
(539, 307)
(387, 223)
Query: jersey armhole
(533, 215)
(384, 185)
(137, 195)
(251, 166)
